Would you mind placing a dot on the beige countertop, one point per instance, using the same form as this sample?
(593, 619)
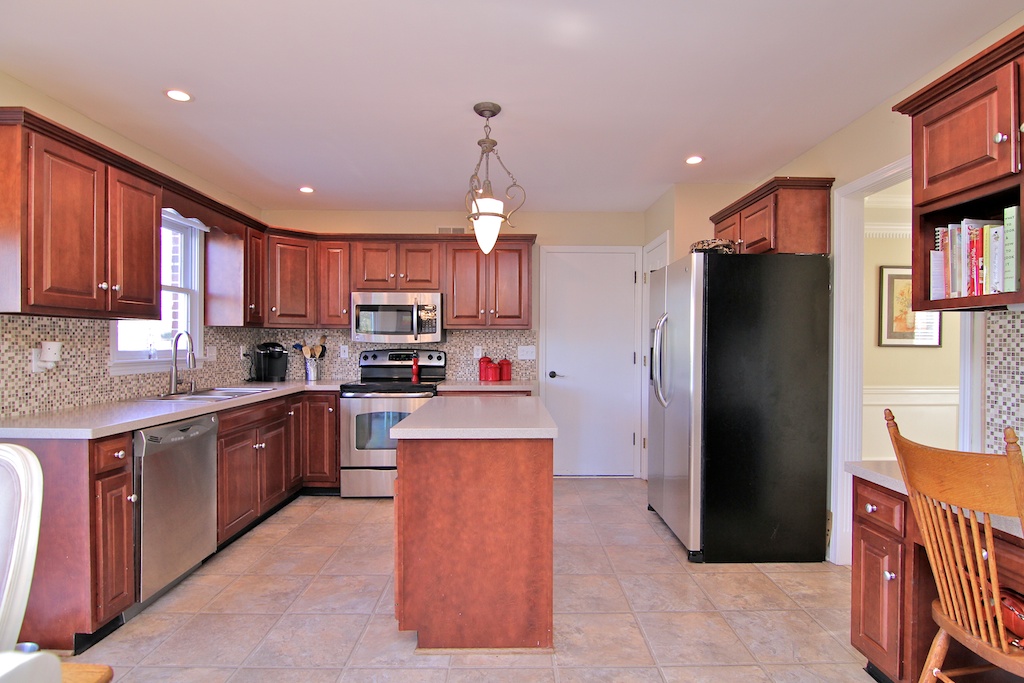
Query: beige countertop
(477, 385)
(478, 417)
(105, 419)
(886, 473)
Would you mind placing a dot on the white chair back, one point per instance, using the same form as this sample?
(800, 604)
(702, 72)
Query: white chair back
(21, 504)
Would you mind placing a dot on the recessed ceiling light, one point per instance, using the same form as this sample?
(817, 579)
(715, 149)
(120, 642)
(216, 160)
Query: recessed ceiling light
(306, 189)
(179, 95)
(694, 159)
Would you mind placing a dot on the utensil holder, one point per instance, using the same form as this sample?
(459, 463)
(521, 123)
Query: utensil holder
(312, 370)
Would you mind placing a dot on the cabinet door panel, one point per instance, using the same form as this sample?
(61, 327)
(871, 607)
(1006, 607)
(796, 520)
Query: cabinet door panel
(273, 456)
(67, 232)
(729, 229)
(954, 141)
(321, 465)
(509, 276)
(134, 244)
(877, 597)
(292, 276)
(296, 410)
(419, 266)
(757, 226)
(466, 292)
(237, 483)
(335, 289)
(255, 274)
(115, 546)
(374, 265)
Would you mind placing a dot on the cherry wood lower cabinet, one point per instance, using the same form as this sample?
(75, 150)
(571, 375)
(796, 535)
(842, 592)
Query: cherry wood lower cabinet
(319, 455)
(893, 588)
(252, 465)
(85, 565)
(473, 551)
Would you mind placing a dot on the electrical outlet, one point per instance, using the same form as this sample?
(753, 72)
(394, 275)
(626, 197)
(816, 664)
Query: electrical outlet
(527, 352)
(478, 352)
(241, 352)
(343, 351)
(211, 353)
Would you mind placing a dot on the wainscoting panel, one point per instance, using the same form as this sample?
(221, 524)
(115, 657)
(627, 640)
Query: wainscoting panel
(925, 414)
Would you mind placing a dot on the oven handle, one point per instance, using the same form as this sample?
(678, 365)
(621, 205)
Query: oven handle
(384, 394)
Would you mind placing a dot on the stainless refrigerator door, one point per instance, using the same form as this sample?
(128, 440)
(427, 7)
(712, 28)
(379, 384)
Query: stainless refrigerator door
(656, 410)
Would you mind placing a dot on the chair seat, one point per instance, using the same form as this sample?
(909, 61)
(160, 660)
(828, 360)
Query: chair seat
(1012, 662)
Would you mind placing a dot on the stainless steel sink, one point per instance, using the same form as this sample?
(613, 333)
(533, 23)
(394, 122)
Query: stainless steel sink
(209, 395)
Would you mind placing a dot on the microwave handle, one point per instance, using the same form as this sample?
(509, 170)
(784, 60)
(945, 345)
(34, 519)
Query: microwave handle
(415, 320)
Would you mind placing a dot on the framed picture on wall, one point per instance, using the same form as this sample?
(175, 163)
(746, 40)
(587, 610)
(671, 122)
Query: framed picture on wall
(898, 323)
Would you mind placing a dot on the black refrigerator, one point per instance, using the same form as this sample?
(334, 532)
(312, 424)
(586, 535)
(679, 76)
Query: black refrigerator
(739, 405)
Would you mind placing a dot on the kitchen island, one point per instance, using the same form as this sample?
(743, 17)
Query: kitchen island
(473, 521)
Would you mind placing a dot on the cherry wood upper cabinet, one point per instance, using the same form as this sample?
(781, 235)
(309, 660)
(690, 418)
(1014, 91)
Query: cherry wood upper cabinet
(236, 265)
(335, 289)
(292, 281)
(87, 241)
(966, 160)
(782, 216)
(488, 290)
(384, 266)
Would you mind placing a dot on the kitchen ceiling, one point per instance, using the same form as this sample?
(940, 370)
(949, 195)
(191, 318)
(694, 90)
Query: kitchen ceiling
(371, 102)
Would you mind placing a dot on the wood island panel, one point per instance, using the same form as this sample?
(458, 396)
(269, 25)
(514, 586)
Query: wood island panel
(473, 552)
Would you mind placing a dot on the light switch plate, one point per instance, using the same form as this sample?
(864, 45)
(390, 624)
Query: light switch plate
(343, 351)
(528, 352)
(478, 352)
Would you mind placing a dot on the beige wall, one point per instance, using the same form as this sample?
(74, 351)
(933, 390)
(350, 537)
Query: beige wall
(903, 366)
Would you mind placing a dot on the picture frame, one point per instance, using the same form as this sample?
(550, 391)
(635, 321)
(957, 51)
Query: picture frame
(898, 323)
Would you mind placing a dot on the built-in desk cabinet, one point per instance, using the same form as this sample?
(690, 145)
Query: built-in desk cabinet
(86, 243)
(966, 159)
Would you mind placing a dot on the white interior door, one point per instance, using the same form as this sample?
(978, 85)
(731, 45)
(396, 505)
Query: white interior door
(590, 340)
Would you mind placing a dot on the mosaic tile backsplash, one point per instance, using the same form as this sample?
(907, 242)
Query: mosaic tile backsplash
(83, 376)
(1004, 374)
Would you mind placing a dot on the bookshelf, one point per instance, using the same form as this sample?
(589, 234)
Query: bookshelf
(966, 129)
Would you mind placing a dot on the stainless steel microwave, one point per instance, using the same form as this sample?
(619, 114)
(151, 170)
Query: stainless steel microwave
(396, 317)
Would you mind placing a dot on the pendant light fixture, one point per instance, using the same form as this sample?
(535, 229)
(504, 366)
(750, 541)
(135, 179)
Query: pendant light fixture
(487, 212)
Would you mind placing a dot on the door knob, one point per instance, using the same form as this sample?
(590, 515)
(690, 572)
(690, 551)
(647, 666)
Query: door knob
(554, 374)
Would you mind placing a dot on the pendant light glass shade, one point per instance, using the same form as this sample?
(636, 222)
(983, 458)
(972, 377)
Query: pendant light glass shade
(486, 212)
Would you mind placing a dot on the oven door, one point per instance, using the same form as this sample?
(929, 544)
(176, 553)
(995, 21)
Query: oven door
(366, 429)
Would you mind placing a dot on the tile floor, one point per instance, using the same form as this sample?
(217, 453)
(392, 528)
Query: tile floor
(307, 596)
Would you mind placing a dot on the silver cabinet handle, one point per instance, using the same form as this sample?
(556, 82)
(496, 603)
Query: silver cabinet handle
(492, 311)
(115, 288)
(391, 275)
(132, 498)
(402, 275)
(889, 576)
(330, 410)
(1000, 137)
(481, 311)
(104, 286)
(344, 310)
(273, 309)
(120, 454)
(252, 307)
(291, 412)
(869, 508)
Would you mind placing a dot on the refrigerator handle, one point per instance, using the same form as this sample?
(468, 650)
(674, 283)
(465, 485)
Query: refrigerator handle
(657, 360)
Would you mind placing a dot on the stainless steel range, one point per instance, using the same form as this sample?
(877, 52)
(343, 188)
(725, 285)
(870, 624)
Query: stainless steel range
(393, 383)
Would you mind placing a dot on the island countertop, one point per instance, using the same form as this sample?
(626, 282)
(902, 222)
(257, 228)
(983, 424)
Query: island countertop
(478, 417)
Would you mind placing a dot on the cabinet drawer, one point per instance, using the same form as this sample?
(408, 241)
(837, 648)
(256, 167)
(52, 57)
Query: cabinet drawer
(111, 453)
(257, 414)
(880, 507)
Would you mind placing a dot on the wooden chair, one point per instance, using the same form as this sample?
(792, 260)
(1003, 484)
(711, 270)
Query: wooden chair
(953, 494)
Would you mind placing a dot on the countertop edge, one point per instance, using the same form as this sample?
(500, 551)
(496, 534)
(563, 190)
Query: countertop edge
(480, 417)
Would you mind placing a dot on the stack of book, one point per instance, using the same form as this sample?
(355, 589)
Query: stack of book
(976, 257)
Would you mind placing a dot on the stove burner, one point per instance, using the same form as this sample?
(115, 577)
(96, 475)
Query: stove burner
(389, 371)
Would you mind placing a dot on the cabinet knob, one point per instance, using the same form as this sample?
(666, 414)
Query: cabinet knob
(869, 508)
(291, 412)
(492, 311)
(273, 309)
(104, 286)
(401, 275)
(1000, 137)
(115, 288)
(344, 310)
(120, 454)
(889, 576)
(481, 311)
(330, 410)
(252, 307)
(133, 498)
(391, 275)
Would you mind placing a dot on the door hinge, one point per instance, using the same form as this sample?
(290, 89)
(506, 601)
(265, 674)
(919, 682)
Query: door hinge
(634, 438)
(644, 442)
(634, 277)
(645, 278)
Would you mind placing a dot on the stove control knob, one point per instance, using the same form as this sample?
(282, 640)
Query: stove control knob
(374, 356)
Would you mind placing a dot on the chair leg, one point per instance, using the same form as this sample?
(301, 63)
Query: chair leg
(936, 655)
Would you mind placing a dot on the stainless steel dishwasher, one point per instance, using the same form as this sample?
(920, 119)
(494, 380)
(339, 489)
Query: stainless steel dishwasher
(176, 518)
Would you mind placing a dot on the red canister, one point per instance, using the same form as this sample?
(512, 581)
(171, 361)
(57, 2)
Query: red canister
(505, 369)
(484, 362)
(492, 373)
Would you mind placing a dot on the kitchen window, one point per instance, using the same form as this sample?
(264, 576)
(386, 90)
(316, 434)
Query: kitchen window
(138, 346)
